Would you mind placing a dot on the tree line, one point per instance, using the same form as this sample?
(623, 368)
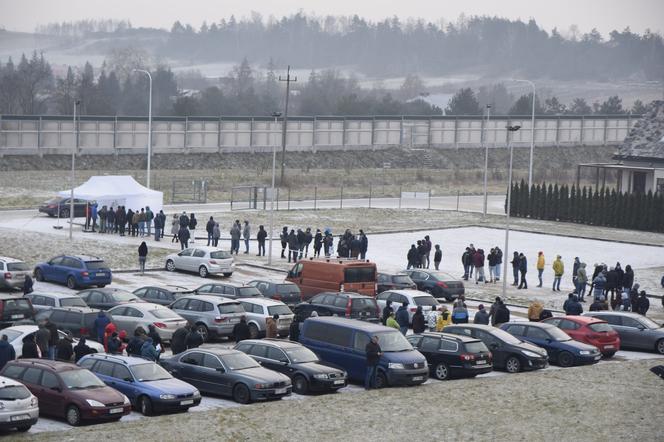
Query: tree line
(600, 206)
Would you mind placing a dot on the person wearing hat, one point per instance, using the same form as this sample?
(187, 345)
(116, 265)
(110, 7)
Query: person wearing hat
(65, 350)
(558, 270)
(481, 317)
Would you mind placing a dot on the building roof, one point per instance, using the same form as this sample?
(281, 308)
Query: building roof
(645, 141)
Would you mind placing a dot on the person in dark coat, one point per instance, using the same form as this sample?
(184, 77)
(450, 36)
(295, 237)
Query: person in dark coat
(65, 348)
(466, 261)
(149, 351)
(241, 330)
(628, 278)
(545, 314)
(403, 318)
(481, 317)
(373, 354)
(294, 330)
(194, 339)
(598, 305)
(30, 349)
(412, 257)
(179, 338)
(27, 285)
(418, 320)
(53, 338)
(7, 352)
(209, 228)
(114, 344)
(81, 349)
(437, 257)
(643, 304)
(318, 243)
(515, 268)
(136, 342)
(261, 236)
(364, 244)
(386, 311)
(523, 269)
(183, 236)
(293, 246)
(41, 338)
(156, 339)
(611, 288)
(142, 256)
(502, 313)
(574, 307)
(284, 242)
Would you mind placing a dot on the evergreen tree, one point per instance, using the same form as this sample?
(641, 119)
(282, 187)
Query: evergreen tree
(532, 202)
(549, 203)
(464, 102)
(563, 213)
(523, 199)
(555, 206)
(541, 206)
(573, 205)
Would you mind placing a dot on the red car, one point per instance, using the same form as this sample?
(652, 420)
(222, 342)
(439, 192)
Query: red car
(589, 330)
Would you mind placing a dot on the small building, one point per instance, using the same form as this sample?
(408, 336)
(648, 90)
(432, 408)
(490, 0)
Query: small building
(639, 162)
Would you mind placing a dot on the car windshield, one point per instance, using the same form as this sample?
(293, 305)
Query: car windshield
(150, 372)
(13, 392)
(17, 304)
(230, 308)
(558, 335)
(80, 379)
(425, 300)
(279, 310)
(600, 327)
(475, 347)
(95, 265)
(220, 254)
(402, 279)
(11, 334)
(124, 296)
(17, 266)
(393, 341)
(284, 289)
(248, 292)
(72, 302)
(505, 337)
(164, 313)
(649, 323)
(238, 361)
(299, 355)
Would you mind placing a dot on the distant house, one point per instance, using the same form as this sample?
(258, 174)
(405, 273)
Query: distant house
(639, 166)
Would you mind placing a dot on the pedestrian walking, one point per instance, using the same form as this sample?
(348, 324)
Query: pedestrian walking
(216, 234)
(284, 242)
(523, 269)
(175, 228)
(183, 236)
(142, 256)
(7, 352)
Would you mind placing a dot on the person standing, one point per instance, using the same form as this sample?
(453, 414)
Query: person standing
(403, 318)
(183, 236)
(523, 269)
(364, 245)
(149, 216)
(94, 216)
(293, 246)
(478, 263)
(540, 267)
(149, 351)
(30, 349)
(193, 222)
(411, 256)
(241, 330)
(437, 257)
(27, 285)
(216, 234)
(300, 243)
(432, 318)
(467, 261)
(534, 311)
(260, 238)
(209, 228)
(7, 352)
(386, 311)
(427, 251)
(178, 341)
(194, 339)
(575, 269)
(102, 219)
(318, 243)
(271, 327)
(391, 322)
(65, 348)
(515, 268)
(158, 227)
(492, 265)
(101, 321)
(418, 320)
(284, 242)
(643, 304)
(246, 234)
(142, 256)
(558, 271)
(142, 219)
(581, 281)
(175, 228)
(373, 354)
(307, 241)
(53, 338)
(499, 262)
(235, 232)
(481, 317)
(459, 312)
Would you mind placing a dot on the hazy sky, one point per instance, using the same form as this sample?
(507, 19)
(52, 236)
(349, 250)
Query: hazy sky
(605, 15)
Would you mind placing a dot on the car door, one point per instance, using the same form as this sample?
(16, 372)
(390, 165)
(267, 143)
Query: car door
(50, 396)
(358, 353)
(249, 312)
(121, 319)
(61, 270)
(634, 332)
(197, 258)
(50, 269)
(541, 338)
(277, 360)
(31, 378)
(572, 329)
(188, 369)
(94, 299)
(180, 307)
(626, 334)
(494, 344)
(182, 260)
(124, 381)
(216, 375)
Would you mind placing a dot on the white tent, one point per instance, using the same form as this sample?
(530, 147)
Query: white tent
(119, 190)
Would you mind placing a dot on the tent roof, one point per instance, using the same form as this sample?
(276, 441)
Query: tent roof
(100, 187)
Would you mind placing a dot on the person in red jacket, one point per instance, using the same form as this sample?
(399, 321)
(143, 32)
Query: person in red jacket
(108, 332)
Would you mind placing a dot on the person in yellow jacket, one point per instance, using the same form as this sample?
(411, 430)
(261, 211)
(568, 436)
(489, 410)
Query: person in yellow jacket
(534, 310)
(540, 267)
(391, 322)
(558, 270)
(444, 319)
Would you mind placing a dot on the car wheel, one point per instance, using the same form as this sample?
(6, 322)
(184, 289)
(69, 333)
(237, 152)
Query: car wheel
(145, 405)
(64, 213)
(565, 359)
(23, 428)
(381, 380)
(170, 265)
(39, 276)
(203, 331)
(441, 371)
(203, 272)
(660, 346)
(101, 286)
(513, 365)
(609, 355)
(241, 394)
(253, 331)
(71, 282)
(300, 385)
(228, 275)
(73, 415)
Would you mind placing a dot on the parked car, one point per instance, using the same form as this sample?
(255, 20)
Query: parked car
(62, 206)
(46, 301)
(439, 284)
(12, 273)
(452, 356)
(212, 316)
(19, 409)
(201, 260)
(306, 371)
(636, 331)
(562, 349)
(398, 281)
(590, 330)
(107, 298)
(229, 373)
(285, 291)
(229, 290)
(17, 333)
(68, 391)
(319, 275)
(80, 321)
(348, 305)
(143, 314)
(75, 271)
(342, 342)
(414, 298)
(257, 310)
(509, 353)
(149, 387)
(13, 310)
(164, 295)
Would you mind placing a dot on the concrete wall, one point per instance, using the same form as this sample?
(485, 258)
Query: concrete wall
(48, 134)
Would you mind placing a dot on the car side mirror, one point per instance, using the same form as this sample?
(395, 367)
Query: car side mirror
(58, 389)
(128, 379)
(283, 362)
(549, 340)
(641, 327)
(494, 346)
(221, 369)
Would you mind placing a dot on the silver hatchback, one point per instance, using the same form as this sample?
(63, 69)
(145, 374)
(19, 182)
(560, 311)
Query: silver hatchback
(259, 309)
(130, 316)
(212, 316)
(13, 273)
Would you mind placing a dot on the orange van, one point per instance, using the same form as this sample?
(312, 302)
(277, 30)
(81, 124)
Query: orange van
(314, 276)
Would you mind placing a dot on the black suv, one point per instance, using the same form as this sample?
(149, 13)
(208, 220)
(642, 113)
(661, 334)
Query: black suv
(229, 290)
(509, 353)
(343, 304)
(80, 321)
(15, 309)
(296, 361)
(285, 291)
(388, 281)
(452, 356)
(439, 284)
(161, 295)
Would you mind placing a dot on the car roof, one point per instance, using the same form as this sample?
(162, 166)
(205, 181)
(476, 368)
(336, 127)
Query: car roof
(76, 309)
(22, 328)
(576, 318)
(339, 261)
(8, 382)
(109, 290)
(606, 312)
(273, 281)
(54, 295)
(456, 337)
(229, 284)
(215, 351)
(211, 298)
(261, 301)
(368, 327)
(275, 342)
(9, 260)
(484, 327)
(531, 324)
(410, 292)
(208, 248)
(47, 363)
(126, 360)
(85, 258)
(349, 294)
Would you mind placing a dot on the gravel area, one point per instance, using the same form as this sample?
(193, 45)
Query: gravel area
(553, 405)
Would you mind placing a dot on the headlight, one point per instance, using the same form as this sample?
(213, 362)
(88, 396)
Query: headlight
(34, 401)
(261, 386)
(395, 365)
(166, 396)
(126, 400)
(94, 403)
(197, 393)
(321, 376)
(584, 352)
(531, 354)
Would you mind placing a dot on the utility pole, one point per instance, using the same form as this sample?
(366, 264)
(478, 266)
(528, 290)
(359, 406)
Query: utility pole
(486, 158)
(73, 173)
(288, 81)
(510, 130)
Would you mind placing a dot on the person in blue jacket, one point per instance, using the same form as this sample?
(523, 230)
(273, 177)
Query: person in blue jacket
(100, 325)
(402, 317)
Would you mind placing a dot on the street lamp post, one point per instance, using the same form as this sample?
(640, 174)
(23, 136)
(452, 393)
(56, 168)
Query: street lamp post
(149, 124)
(532, 133)
(73, 174)
(274, 167)
(510, 129)
(486, 158)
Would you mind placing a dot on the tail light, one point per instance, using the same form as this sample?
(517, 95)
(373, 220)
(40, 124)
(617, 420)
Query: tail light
(159, 324)
(277, 296)
(348, 307)
(467, 357)
(85, 274)
(413, 309)
(220, 319)
(212, 261)
(8, 275)
(84, 331)
(52, 206)
(441, 284)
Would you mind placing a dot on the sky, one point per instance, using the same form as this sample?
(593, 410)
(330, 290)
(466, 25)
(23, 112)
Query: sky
(605, 15)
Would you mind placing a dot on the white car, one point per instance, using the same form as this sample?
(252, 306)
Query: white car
(18, 407)
(13, 273)
(201, 260)
(16, 334)
(129, 316)
(414, 298)
(46, 301)
(259, 309)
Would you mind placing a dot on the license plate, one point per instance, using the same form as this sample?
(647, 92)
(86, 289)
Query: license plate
(18, 316)
(418, 378)
(234, 320)
(116, 410)
(609, 346)
(99, 275)
(280, 390)
(339, 382)
(20, 417)
(187, 402)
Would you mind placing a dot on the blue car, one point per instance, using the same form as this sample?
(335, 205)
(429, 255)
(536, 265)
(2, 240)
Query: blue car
(342, 342)
(149, 387)
(75, 271)
(560, 347)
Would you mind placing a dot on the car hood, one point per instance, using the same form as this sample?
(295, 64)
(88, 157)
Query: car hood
(404, 357)
(576, 345)
(105, 395)
(531, 347)
(171, 386)
(317, 367)
(262, 375)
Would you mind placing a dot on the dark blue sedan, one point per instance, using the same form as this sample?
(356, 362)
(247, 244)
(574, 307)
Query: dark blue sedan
(560, 347)
(75, 271)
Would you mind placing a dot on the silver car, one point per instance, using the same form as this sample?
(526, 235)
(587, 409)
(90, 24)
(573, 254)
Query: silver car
(636, 331)
(46, 301)
(13, 273)
(17, 333)
(212, 316)
(18, 407)
(130, 316)
(259, 309)
(202, 260)
(414, 298)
